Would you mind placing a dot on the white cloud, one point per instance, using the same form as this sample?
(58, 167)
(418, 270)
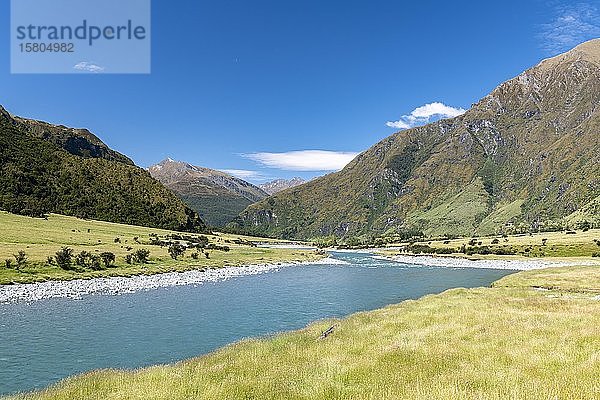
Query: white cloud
(244, 173)
(570, 26)
(425, 114)
(304, 160)
(88, 67)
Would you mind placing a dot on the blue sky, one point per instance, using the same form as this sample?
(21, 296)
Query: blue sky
(233, 82)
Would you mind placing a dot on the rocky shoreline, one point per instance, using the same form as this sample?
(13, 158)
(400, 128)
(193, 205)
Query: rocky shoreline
(455, 262)
(76, 289)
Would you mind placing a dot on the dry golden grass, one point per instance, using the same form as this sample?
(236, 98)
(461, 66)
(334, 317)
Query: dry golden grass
(41, 238)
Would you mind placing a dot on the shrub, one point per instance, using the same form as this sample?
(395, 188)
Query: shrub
(129, 259)
(8, 263)
(64, 258)
(82, 258)
(20, 259)
(176, 250)
(86, 259)
(95, 262)
(596, 255)
(141, 256)
(50, 260)
(217, 247)
(495, 241)
(108, 258)
(195, 255)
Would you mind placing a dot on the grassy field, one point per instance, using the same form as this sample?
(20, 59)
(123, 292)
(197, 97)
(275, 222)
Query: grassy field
(511, 341)
(547, 244)
(40, 238)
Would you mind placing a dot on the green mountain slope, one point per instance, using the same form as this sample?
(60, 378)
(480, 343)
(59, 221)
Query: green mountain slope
(218, 197)
(524, 157)
(46, 168)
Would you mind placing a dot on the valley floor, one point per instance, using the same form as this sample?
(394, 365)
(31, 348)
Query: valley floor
(41, 238)
(532, 335)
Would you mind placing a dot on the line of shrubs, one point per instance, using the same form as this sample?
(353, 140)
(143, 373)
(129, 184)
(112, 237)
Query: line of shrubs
(66, 259)
(469, 250)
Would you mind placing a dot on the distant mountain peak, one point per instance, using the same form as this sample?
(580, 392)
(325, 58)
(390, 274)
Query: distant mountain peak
(525, 157)
(214, 194)
(278, 185)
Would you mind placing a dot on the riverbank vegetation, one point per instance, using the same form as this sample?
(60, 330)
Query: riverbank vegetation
(571, 243)
(532, 335)
(63, 248)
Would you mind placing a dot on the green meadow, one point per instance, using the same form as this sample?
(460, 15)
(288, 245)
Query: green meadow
(41, 238)
(532, 335)
(563, 244)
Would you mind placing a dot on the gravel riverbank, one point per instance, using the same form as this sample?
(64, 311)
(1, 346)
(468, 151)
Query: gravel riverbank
(118, 285)
(454, 262)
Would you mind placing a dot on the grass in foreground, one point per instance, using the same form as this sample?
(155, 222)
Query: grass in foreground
(40, 238)
(511, 341)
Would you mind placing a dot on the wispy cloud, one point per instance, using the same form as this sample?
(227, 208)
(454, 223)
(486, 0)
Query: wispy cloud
(571, 25)
(245, 174)
(88, 67)
(304, 160)
(425, 114)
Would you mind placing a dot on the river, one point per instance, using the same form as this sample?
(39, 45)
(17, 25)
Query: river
(47, 340)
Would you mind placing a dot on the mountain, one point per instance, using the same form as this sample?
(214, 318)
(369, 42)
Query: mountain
(278, 185)
(52, 168)
(526, 156)
(218, 197)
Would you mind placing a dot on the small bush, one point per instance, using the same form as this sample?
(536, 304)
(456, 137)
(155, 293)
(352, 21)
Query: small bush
(50, 260)
(20, 259)
(108, 258)
(82, 258)
(129, 259)
(495, 241)
(64, 258)
(86, 259)
(176, 250)
(95, 262)
(8, 263)
(195, 255)
(141, 256)
(217, 247)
